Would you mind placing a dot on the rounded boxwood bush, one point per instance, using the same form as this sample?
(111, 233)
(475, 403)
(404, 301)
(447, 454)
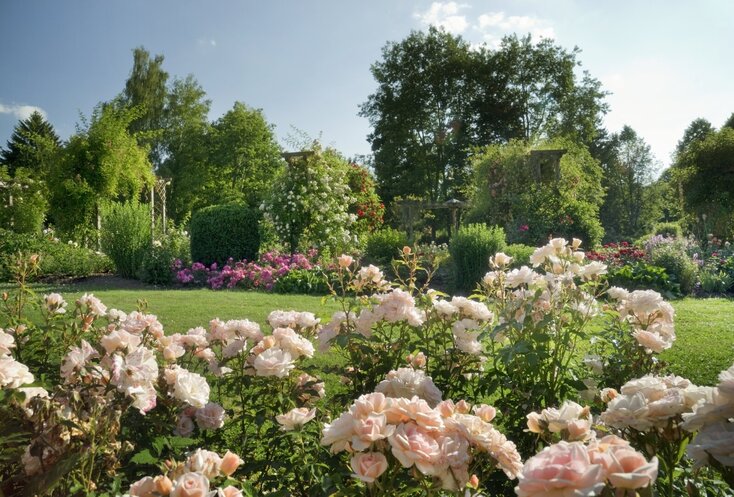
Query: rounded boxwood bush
(384, 245)
(219, 232)
(471, 248)
(520, 254)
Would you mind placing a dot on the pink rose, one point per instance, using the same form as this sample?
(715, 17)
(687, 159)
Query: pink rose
(143, 487)
(231, 491)
(345, 261)
(412, 444)
(295, 418)
(191, 485)
(629, 469)
(368, 466)
(561, 469)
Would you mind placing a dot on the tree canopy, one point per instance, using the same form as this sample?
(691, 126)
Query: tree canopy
(32, 146)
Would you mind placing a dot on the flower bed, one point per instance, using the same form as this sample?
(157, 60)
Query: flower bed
(388, 397)
(262, 274)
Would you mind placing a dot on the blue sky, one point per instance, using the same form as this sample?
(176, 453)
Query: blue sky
(306, 63)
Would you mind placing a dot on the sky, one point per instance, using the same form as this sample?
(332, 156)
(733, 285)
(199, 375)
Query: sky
(306, 64)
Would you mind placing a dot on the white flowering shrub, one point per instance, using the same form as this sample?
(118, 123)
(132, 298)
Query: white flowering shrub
(309, 202)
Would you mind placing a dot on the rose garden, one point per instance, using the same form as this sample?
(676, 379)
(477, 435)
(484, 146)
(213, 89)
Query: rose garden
(470, 317)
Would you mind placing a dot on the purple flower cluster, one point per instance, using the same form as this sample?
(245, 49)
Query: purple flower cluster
(261, 274)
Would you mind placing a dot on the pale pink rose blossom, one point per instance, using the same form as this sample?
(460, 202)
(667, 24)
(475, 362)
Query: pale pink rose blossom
(210, 417)
(485, 412)
(54, 303)
(191, 485)
(145, 487)
(13, 373)
(206, 462)
(369, 429)
(295, 418)
(338, 433)
(7, 342)
(629, 469)
(76, 359)
(191, 388)
(184, 426)
(414, 445)
(368, 466)
(273, 362)
(345, 261)
(93, 305)
(119, 339)
(230, 491)
(562, 469)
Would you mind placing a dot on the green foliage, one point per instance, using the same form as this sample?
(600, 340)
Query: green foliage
(437, 98)
(715, 282)
(159, 258)
(101, 162)
(126, 235)
(643, 276)
(302, 281)
(629, 206)
(219, 232)
(520, 254)
(309, 202)
(57, 259)
(32, 147)
(23, 202)
(679, 266)
(531, 200)
(706, 175)
(471, 248)
(670, 230)
(385, 245)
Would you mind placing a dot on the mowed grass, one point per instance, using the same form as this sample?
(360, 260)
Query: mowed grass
(705, 339)
(704, 327)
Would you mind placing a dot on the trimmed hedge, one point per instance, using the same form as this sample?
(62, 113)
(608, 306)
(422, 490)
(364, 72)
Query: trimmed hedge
(220, 232)
(384, 245)
(471, 248)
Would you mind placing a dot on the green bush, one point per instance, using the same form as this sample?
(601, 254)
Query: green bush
(126, 235)
(715, 282)
(58, 259)
(384, 245)
(157, 266)
(471, 248)
(677, 264)
(520, 254)
(304, 281)
(27, 211)
(219, 232)
(668, 230)
(643, 276)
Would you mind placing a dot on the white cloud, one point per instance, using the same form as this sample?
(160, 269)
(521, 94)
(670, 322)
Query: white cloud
(21, 111)
(494, 25)
(445, 15)
(206, 42)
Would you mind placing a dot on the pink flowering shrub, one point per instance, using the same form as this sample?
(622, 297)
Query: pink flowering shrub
(261, 274)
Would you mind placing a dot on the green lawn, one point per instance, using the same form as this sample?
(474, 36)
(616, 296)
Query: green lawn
(704, 327)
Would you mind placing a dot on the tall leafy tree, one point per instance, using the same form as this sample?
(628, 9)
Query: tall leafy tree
(245, 155)
(697, 131)
(421, 116)
(32, 147)
(186, 139)
(628, 168)
(101, 162)
(544, 90)
(705, 172)
(146, 89)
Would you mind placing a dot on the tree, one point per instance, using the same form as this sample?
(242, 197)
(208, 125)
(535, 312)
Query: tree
(101, 162)
(437, 98)
(32, 146)
(186, 141)
(544, 91)
(705, 172)
(697, 131)
(245, 156)
(729, 122)
(145, 88)
(628, 174)
(421, 117)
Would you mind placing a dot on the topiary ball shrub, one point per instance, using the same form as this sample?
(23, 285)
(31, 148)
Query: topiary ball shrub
(220, 232)
(385, 245)
(471, 248)
(670, 230)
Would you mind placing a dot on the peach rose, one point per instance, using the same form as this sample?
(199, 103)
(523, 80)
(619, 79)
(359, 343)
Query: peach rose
(558, 470)
(143, 487)
(230, 463)
(629, 469)
(412, 444)
(191, 485)
(368, 466)
(345, 261)
(231, 491)
(295, 418)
